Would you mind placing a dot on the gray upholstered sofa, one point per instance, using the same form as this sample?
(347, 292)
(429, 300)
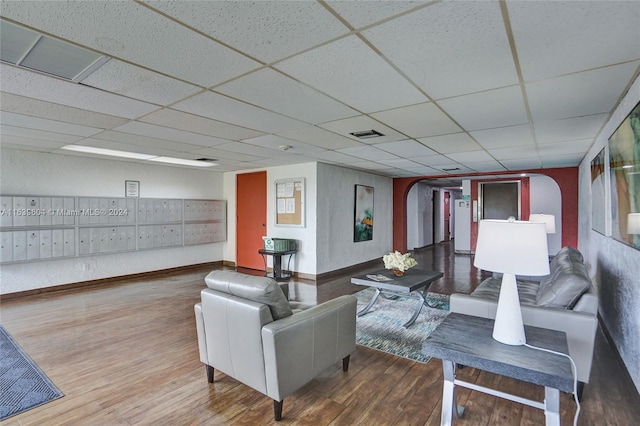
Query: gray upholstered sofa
(248, 330)
(564, 300)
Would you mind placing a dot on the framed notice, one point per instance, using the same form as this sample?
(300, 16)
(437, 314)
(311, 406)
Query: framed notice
(290, 202)
(132, 188)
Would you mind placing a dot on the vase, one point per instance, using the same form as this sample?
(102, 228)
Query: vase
(398, 272)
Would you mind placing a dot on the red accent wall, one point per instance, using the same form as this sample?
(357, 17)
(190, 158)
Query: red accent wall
(566, 178)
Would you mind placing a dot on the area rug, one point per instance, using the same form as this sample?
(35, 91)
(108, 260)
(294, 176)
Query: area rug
(381, 328)
(23, 385)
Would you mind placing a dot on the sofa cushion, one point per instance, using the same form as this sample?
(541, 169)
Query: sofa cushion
(257, 289)
(565, 285)
(490, 289)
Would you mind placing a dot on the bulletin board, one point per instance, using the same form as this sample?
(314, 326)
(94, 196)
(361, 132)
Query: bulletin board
(290, 202)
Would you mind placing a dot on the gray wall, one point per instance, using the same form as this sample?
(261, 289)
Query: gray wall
(614, 266)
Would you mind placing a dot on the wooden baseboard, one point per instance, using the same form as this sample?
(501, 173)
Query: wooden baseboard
(102, 281)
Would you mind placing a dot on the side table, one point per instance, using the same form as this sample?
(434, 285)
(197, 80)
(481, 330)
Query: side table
(278, 275)
(466, 340)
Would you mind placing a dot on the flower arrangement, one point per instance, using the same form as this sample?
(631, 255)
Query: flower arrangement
(398, 262)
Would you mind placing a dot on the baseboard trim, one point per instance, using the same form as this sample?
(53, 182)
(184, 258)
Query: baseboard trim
(326, 276)
(102, 281)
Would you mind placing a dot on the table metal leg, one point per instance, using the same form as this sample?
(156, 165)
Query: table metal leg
(552, 406)
(415, 313)
(370, 304)
(449, 405)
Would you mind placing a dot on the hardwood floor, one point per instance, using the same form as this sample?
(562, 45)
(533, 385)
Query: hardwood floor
(126, 353)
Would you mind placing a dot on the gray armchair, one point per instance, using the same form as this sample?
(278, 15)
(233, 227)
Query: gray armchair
(248, 330)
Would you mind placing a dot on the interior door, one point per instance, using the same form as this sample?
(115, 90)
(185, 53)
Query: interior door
(251, 218)
(500, 200)
(447, 216)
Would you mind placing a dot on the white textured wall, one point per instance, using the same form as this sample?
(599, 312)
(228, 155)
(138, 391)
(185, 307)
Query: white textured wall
(335, 209)
(614, 266)
(26, 172)
(545, 197)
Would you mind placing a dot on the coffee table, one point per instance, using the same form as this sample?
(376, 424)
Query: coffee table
(392, 287)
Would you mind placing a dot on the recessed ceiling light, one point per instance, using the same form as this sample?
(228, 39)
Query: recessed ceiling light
(109, 152)
(366, 134)
(183, 161)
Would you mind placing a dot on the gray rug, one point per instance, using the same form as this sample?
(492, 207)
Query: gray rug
(23, 385)
(381, 328)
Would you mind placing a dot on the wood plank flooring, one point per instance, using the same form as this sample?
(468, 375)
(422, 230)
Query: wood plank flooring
(126, 354)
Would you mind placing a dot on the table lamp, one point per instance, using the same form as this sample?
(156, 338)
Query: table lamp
(511, 247)
(633, 223)
(549, 221)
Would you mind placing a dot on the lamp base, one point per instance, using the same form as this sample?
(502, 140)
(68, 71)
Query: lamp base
(508, 327)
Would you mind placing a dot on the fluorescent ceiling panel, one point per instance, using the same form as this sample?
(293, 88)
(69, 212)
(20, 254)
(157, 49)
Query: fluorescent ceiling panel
(182, 162)
(348, 70)
(107, 152)
(229, 110)
(586, 93)
(15, 41)
(486, 110)
(562, 37)
(418, 121)
(449, 48)
(61, 59)
(276, 92)
(258, 28)
(133, 32)
(137, 83)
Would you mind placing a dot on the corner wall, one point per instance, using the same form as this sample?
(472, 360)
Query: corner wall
(35, 173)
(614, 266)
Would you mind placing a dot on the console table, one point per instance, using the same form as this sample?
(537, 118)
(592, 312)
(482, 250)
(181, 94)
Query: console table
(466, 340)
(277, 263)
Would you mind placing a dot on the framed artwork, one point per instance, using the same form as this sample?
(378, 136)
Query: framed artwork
(624, 165)
(598, 193)
(132, 188)
(363, 214)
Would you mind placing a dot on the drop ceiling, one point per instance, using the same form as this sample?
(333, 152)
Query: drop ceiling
(454, 87)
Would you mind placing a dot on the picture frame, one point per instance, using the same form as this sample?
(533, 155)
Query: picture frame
(599, 184)
(132, 188)
(363, 213)
(624, 171)
(290, 202)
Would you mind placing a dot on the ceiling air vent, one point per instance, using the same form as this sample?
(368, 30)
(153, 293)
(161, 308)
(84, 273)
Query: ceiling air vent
(208, 160)
(451, 169)
(366, 134)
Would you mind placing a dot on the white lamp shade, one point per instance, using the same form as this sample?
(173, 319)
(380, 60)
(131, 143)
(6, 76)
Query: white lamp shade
(514, 247)
(548, 219)
(633, 223)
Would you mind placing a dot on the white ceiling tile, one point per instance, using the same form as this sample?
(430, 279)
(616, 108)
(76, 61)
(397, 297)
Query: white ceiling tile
(504, 137)
(561, 161)
(336, 157)
(565, 148)
(30, 133)
(406, 148)
(450, 48)
(432, 160)
(337, 69)
(161, 132)
(259, 27)
(368, 153)
(418, 121)
(355, 124)
(314, 135)
(447, 144)
(400, 163)
(137, 83)
(229, 110)
(472, 156)
(275, 142)
(397, 173)
(485, 166)
(39, 86)
(424, 170)
(273, 91)
(575, 95)
(19, 120)
(133, 32)
(569, 129)
(522, 163)
(363, 13)
(485, 110)
(139, 140)
(225, 155)
(369, 165)
(37, 108)
(194, 123)
(515, 153)
(257, 151)
(561, 37)
(18, 142)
